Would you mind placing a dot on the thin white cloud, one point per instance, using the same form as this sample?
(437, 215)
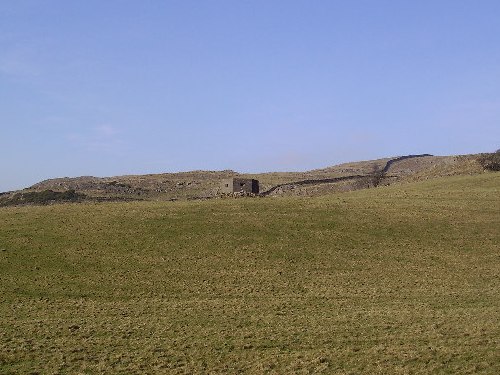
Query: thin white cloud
(492, 105)
(106, 131)
(102, 139)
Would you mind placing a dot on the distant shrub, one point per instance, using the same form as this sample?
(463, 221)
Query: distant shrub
(490, 162)
(43, 197)
(116, 183)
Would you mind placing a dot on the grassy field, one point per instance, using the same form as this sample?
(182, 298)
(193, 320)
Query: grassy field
(394, 280)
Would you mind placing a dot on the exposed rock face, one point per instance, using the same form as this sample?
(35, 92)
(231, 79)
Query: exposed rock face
(165, 186)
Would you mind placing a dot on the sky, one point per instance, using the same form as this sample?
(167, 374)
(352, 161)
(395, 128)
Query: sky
(107, 88)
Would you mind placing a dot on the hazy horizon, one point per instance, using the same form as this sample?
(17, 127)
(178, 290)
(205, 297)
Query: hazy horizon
(225, 169)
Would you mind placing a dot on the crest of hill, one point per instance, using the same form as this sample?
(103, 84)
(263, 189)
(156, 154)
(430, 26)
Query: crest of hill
(205, 184)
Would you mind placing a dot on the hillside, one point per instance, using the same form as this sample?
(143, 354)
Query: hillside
(399, 279)
(205, 184)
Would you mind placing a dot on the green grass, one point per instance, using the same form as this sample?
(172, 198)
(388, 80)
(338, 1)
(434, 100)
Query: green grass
(393, 280)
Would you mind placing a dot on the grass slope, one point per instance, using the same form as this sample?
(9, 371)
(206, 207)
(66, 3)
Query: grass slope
(400, 279)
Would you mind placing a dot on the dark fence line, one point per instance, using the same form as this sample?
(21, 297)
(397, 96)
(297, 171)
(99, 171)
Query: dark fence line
(380, 175)
(395, 160)
(314, 182)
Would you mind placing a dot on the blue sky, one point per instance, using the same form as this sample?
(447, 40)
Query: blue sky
(129, 87)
